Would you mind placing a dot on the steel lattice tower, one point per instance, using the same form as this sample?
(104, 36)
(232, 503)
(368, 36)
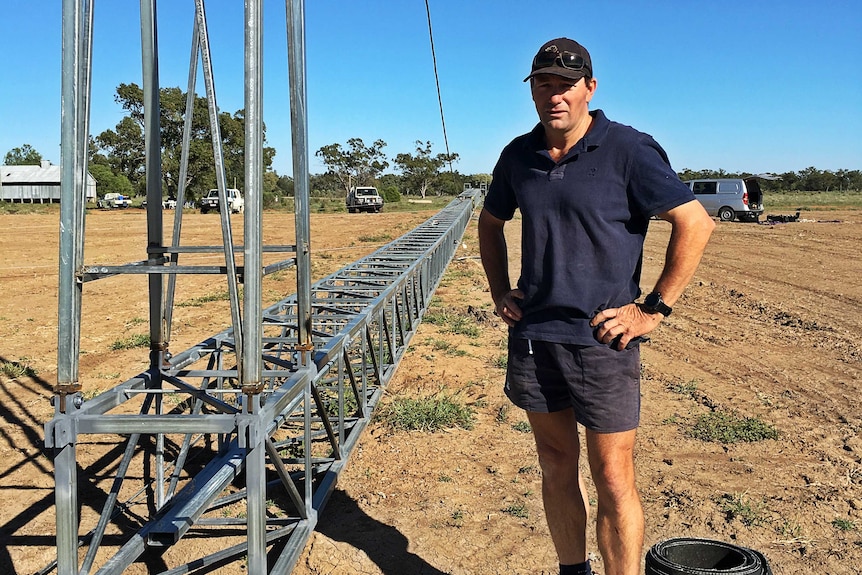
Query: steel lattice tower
(276, 402)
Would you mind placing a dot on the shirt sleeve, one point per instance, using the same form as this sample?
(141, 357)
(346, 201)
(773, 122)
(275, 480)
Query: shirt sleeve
(653, 185)
(500, 201)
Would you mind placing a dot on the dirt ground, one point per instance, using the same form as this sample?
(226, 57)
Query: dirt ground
(768, 330)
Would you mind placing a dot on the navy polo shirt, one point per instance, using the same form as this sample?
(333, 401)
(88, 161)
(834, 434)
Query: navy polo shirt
(584, 220)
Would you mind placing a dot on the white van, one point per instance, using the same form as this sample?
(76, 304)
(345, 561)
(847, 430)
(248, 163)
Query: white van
(729, 198)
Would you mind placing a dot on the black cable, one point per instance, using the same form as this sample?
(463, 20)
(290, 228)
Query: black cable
(437, 80)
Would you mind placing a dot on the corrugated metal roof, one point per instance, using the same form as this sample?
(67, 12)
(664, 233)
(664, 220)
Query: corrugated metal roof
(30, 174)
(45, 174)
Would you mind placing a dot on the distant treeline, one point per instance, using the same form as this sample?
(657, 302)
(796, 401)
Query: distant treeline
(807, 180)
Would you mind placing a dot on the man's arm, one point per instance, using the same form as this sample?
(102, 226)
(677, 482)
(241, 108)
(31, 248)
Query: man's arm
(691, 229)
(495, 260)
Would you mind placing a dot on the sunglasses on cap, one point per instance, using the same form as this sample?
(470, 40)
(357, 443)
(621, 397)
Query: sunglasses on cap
(551, 54)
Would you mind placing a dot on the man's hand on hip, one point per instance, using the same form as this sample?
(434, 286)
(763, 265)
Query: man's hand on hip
(509, 307)
(624, 323)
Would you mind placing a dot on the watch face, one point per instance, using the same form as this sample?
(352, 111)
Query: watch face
(654, 303)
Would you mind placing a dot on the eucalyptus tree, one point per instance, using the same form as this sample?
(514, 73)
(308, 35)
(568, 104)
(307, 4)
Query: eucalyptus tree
(357, 165)
(421, 169)
(123, 147)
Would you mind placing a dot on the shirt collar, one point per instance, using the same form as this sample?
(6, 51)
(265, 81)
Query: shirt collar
(593, 138)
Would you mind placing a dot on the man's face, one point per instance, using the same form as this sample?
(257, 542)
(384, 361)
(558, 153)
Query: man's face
(562, 103)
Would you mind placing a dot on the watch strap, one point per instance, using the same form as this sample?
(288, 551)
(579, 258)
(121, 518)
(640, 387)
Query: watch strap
(654, 304)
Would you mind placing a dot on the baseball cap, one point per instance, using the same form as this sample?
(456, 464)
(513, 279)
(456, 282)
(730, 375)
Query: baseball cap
(562, 57)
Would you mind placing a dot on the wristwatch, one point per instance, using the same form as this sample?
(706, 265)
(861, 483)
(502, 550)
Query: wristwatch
(654, 304)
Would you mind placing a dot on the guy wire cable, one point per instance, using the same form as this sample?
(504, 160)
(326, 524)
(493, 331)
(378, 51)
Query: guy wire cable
(437, 80)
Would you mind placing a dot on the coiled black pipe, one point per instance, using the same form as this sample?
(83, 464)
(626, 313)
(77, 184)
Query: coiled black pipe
(692, 556)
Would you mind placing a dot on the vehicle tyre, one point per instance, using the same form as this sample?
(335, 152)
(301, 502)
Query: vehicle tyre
(693, 556)
(726, 214)
(204, 209)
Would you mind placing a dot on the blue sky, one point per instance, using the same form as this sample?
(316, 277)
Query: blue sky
(735, 84)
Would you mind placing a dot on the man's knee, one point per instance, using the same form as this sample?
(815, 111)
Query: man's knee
(558, 463)
(612, 467)
(614, 487)
(556, 435)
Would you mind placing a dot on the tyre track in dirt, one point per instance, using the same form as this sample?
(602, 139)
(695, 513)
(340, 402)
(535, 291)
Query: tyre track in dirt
(799, 329)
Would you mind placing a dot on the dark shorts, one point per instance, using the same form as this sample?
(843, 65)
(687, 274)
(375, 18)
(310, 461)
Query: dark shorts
(601, 384)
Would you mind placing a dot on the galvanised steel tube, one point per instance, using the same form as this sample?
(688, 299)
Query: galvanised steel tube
(69, 300)
(153, 159)
(253, 285)
(184, 169)
(83, 137)
(253, 221)
(299, 138)
(69, 291)
(218, 156)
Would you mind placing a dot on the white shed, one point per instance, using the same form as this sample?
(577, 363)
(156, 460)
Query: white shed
(36, 184)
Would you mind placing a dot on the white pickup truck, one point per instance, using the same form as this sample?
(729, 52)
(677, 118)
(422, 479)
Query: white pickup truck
(364, 199)
(113, 200)
(234, 201)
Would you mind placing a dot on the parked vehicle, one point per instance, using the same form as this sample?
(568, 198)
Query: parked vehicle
(730, 198)
(234, 201)
(168, 204)
(113, 200)
(364, 199)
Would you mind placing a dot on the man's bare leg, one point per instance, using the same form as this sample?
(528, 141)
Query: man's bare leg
(619, 518)
(563, 490)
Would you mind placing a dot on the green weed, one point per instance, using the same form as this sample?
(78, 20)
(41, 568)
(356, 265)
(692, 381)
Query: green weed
(447, 348)
(131, 342)
(518, 510)
(727, 427)
(15, 369)
(503, 413)
(433, 413)
(374, 239)
(687, 388)
(522, 426)
(739, 506)
(843, 524)
(457, 518)
(789, 529)
(200, 301)
(451, 322)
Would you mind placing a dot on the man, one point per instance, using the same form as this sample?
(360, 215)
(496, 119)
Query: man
(586, 188)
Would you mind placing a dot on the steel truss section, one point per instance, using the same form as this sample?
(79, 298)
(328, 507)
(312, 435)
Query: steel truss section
(293, 438)
(261, 416)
